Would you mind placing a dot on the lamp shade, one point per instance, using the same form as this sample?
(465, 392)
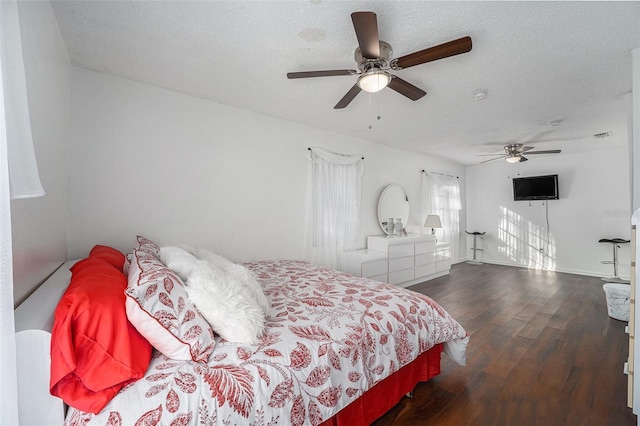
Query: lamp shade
(433, 221)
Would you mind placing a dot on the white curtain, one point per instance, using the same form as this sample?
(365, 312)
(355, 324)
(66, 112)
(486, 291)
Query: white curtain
(24, 179)
(8, 379)
(441, 196)
(333, 217)
(18, 179)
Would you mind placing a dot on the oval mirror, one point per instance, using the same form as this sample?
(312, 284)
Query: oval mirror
(393, 204)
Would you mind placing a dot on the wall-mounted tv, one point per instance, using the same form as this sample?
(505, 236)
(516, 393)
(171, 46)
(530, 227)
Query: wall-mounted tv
(535, 188)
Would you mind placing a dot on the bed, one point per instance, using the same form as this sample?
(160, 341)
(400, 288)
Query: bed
(335, 349)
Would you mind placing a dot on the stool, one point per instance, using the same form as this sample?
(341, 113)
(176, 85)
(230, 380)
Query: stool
(475, 247)
(615, 242)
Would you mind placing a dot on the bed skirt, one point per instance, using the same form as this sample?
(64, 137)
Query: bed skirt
(386, 394)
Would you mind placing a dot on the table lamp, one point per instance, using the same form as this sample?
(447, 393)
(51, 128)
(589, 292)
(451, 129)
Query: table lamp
(433, 222)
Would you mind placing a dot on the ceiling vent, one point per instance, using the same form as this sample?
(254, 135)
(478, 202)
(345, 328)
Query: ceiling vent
(602, 135)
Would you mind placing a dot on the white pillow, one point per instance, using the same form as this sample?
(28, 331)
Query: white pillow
(187, 248)
(231, 310)
(178, 260)
(214, 259)
(238, 275)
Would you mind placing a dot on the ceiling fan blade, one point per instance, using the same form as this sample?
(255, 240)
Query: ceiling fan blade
(492, 159)
(525, 148)
(407, 89)
(366, 26)
(451, 48)
(328, 73)
(549, 151)
(523, 159)
(346, 99)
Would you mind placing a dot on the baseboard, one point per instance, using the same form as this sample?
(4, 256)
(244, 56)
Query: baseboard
(561, 270)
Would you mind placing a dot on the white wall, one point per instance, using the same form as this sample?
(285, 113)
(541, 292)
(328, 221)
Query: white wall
(594, 203)
(177, 169)
(634, 130)
(39, 226)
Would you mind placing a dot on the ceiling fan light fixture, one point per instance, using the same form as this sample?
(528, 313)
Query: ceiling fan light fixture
(513, 158)
(374, 81)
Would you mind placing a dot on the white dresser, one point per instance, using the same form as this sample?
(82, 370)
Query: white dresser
(367, 263)
(404, 260)
(443, 258)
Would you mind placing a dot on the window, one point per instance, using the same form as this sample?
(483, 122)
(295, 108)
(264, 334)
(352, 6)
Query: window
(333, 215)
(441, 196)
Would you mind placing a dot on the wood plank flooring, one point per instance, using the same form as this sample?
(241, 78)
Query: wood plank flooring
(543, 351)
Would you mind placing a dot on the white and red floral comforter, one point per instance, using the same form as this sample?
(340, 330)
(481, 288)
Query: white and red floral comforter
(329, 338)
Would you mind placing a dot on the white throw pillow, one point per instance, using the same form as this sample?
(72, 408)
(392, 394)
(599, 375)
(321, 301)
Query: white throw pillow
(214, 259)
(178, 260)
(238, 275)
(231, 310)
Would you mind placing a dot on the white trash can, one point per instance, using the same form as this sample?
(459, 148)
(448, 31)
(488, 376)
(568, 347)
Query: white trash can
(618, 296)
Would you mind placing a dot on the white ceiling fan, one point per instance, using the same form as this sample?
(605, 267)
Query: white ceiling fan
(513, 153)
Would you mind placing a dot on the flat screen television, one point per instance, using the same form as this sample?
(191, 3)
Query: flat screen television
(535, 188)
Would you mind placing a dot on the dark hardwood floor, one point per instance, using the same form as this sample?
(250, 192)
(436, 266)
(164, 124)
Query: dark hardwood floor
(543, 351)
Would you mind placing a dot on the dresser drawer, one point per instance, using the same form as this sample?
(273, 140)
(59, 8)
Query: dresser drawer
(443, 255)
(376, 267)
(384, 278)
(400, 263)
(443, 265)
(428, 247)
(400, 276)
(423, 271)
(425, 259)
(400, 250)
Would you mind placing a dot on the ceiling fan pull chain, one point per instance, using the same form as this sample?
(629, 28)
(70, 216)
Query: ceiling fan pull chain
(378, 116)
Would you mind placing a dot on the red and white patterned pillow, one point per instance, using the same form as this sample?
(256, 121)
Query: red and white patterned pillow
(159, 308)
(145, 244)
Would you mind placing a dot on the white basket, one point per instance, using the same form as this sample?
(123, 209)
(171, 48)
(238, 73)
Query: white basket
(617, 300)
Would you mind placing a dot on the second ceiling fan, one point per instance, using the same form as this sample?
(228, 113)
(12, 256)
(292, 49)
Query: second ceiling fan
(373, 57)
(513, 153)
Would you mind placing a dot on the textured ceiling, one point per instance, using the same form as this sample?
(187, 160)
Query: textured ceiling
(538, 61)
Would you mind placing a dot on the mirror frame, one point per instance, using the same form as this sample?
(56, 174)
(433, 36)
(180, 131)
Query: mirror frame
(387, 191)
